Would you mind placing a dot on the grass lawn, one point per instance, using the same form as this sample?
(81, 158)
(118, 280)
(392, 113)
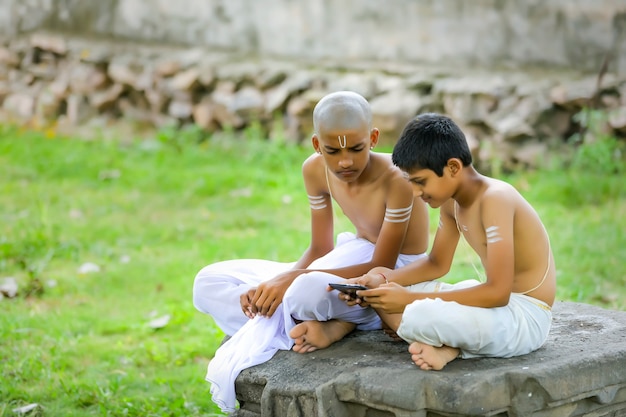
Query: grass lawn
(146, 215)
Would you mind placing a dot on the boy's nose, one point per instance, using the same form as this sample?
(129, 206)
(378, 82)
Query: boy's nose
(345, 162)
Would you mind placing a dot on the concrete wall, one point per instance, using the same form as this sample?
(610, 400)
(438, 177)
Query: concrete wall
(573, 34)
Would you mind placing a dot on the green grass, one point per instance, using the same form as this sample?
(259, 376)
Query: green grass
(150, 214)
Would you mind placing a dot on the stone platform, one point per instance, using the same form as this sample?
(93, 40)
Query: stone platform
(580, 371)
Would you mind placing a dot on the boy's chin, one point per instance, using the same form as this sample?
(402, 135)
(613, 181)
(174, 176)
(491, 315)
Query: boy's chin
(432, 203)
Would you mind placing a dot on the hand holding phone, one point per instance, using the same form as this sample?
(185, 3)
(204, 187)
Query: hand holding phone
(349, 289)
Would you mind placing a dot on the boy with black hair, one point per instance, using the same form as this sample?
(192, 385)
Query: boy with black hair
(508, 314)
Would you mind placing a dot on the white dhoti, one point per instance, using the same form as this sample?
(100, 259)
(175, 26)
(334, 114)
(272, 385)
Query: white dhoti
(518, 328)
(217, 289)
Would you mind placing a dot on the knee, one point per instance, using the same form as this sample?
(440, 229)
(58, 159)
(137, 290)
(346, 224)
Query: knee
(421, 319)
(426, 311)
(198, 302)
(199, 292)
(197, 295)
(305, 287)
(306, 293)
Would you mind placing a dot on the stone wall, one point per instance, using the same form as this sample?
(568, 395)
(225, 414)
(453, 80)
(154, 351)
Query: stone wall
(509, 116)
(573, 34)
(512, 73)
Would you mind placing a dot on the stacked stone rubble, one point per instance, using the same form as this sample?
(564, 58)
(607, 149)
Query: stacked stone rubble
(48, 79)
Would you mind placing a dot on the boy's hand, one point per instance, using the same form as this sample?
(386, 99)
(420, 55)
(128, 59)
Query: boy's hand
(347, 298)
(374, 278)
(247, 307)
(390, 298)
(269, 294)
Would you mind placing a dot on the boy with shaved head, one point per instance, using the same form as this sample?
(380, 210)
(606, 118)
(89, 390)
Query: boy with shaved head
(250, 299)
(369, 190)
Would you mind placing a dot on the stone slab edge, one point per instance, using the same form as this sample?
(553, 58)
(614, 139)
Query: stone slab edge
(581, 366)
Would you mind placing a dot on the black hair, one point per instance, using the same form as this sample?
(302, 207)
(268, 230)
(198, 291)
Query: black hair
(428, 142)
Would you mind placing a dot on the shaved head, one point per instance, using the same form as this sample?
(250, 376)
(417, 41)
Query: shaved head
(342, 110)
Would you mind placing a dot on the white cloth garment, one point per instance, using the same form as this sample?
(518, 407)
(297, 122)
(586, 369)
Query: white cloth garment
(259, 339)
(256, 342)
(518, 328)
(217, 288)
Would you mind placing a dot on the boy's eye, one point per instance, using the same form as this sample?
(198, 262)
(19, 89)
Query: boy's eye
(335, 151)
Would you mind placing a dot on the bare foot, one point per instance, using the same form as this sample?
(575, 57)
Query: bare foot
(312, 335)
(430, 357)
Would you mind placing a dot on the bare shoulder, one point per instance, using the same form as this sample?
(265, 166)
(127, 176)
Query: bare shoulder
(313, 171)
(499, 187)
(389, 177)
(384, 167)
(313, 165)
(502, 196)
(383, 158)
(312, 162)
(501, 192)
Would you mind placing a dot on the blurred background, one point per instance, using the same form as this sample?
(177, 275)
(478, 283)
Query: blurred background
(520, 77)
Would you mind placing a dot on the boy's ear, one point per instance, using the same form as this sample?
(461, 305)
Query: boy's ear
(374, 134)
(316, 143)
(455, 166)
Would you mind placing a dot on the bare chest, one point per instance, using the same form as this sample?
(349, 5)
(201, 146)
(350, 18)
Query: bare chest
(472, 230)
(364, 207)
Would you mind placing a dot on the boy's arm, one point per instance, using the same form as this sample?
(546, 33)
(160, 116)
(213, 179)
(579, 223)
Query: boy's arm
(322, 239)
(395, 225)
(269, 294)
(321, 207)
(497, 217)
(497, 212)
(392, 233)
(438, 261)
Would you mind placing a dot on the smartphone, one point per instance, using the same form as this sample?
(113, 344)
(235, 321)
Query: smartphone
(349, 289)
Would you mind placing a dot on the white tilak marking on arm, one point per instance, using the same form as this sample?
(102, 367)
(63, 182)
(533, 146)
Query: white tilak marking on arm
(398, 215)
(317, 202)
(493, 235)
